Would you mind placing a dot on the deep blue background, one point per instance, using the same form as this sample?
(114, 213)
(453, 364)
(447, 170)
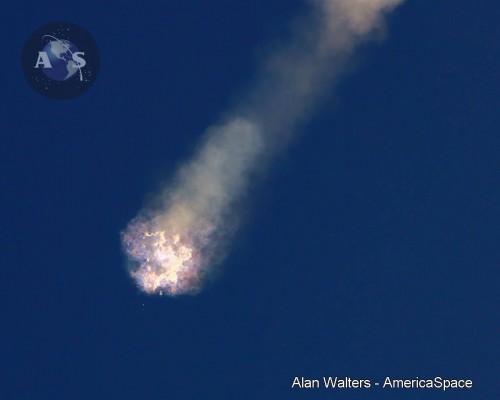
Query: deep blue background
(372, 249)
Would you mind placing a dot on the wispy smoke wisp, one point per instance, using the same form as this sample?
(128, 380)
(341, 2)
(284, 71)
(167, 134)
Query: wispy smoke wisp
(172, 247)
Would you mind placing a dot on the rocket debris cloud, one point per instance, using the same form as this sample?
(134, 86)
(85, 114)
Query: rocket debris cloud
(172, 246)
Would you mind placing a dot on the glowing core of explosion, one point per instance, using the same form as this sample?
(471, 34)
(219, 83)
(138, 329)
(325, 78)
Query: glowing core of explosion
(163, 261)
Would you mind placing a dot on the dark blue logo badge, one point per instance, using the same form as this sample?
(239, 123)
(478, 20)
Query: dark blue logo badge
(60, 60)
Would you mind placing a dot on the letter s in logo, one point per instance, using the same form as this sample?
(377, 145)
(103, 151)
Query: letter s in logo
(80, 61)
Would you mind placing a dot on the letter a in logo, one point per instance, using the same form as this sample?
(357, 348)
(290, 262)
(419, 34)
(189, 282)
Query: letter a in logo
(43, 60)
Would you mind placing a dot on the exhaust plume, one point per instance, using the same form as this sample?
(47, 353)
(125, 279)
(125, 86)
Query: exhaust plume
(173, 245)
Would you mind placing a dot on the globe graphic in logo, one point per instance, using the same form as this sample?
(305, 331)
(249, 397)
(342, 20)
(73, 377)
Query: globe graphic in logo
(60, 53)
(60, 60)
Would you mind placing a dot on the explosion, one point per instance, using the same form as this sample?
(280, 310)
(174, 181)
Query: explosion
(170, 262)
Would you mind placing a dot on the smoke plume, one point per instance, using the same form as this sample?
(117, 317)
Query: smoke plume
(173, 245)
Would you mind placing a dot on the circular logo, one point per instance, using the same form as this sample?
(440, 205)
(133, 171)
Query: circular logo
(60, 60)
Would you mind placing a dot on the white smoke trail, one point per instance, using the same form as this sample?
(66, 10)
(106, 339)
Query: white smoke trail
(171, 247)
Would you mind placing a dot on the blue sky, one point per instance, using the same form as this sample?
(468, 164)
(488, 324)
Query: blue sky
(370, 249)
